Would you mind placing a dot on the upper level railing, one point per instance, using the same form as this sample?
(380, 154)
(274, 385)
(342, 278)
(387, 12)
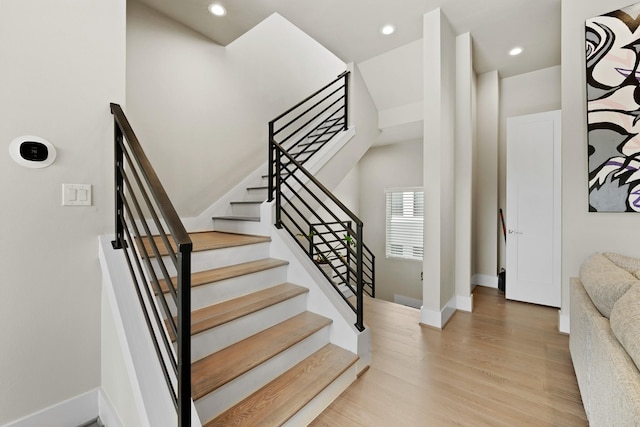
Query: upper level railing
(310, 124)
(325, 228)
(142, 209)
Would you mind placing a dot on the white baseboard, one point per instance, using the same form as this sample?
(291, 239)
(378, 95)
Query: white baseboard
(564, 323)
(438, 319)
(72, 412)
(485, 280)
(408, 301)
(464, 303)
(108, 415)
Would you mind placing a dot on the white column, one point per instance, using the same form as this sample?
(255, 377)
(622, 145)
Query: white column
(438, 173)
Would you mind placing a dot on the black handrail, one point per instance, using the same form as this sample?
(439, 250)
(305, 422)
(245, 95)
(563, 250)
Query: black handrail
(135, 179)
(333, 235)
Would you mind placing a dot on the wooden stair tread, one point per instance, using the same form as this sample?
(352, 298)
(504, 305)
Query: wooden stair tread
(208, 240)
(214, 275)
(221, 313)
(219, 368)
(283, 397)
(238, 218)
(247, 202)
(218, 314)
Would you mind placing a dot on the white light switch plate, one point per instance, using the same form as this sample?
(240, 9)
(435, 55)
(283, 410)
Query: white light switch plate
(76, 194)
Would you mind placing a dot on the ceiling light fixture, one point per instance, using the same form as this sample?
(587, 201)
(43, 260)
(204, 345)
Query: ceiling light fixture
(515, 51)
(217, 9)
(388, 29)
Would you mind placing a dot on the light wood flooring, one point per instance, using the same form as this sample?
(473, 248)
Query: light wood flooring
(505, 364)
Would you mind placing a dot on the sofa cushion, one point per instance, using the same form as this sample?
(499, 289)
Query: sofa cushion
(625, 322)
(632, 265)
(605, 282)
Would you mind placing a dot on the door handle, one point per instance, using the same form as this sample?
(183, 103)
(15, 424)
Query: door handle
(514, 232)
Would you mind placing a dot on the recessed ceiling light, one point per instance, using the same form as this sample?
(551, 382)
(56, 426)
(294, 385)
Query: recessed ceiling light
(217, 9)
(515, 51)
(388, 30)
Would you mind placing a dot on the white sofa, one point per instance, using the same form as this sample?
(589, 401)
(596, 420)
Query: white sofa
(605, 338)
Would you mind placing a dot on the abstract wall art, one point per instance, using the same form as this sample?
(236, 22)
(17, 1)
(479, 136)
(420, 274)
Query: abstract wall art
(613, 110)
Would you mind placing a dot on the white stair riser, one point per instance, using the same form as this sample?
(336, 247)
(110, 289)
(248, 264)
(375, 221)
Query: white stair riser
(319, 403)
(213, 293)
(245, 209)
(206, 260)
(223, 398)
(215, 339)
(231, 226)
(344, 289)
(257, 194)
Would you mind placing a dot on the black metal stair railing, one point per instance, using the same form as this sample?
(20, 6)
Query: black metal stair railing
(308, 126)
(322, 246)
(325, 228)
(142, 206)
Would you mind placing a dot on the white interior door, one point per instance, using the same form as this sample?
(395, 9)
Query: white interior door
(533, 209)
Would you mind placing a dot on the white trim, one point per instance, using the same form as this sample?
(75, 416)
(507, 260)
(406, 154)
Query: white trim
(108, 415)
(73, 412)
(408, 301)
(464, 303)
(564, 322)
(403, 189)
(438, 319)
(430, 317)
(448, 311)
(485, 280)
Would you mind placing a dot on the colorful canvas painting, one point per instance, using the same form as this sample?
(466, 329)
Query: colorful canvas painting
(613, 110)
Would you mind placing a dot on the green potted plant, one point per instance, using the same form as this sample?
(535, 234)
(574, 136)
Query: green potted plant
(349, 240)
(324, 264)
(306, 240)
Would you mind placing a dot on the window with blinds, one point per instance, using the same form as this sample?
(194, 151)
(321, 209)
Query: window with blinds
(405, 223)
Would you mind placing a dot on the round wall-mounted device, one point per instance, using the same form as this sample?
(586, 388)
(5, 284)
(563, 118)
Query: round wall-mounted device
(32, 151)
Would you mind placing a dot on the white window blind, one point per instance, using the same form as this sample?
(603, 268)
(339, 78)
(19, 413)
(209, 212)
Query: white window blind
(405, 223)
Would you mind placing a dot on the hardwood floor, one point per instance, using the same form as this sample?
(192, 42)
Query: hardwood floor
(505, 364)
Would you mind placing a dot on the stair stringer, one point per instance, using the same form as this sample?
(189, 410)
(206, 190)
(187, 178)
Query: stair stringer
(323, 298)
(142, 371)
(222, 206)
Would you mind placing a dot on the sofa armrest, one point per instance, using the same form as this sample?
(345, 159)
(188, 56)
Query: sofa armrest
(582, 312)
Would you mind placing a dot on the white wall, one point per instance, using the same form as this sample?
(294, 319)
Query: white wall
(363, 115)
(438, 166)
(348, 191)
(201, 110)
(395, 77)
(62, 63)
(528, 93)
(486, 228)
(583, 232)
(389, 166)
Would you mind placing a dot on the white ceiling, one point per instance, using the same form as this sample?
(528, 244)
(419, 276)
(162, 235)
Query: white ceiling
(350, 28)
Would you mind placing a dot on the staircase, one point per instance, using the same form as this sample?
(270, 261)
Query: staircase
(246, 208)
(236, 334)
(259, 357)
